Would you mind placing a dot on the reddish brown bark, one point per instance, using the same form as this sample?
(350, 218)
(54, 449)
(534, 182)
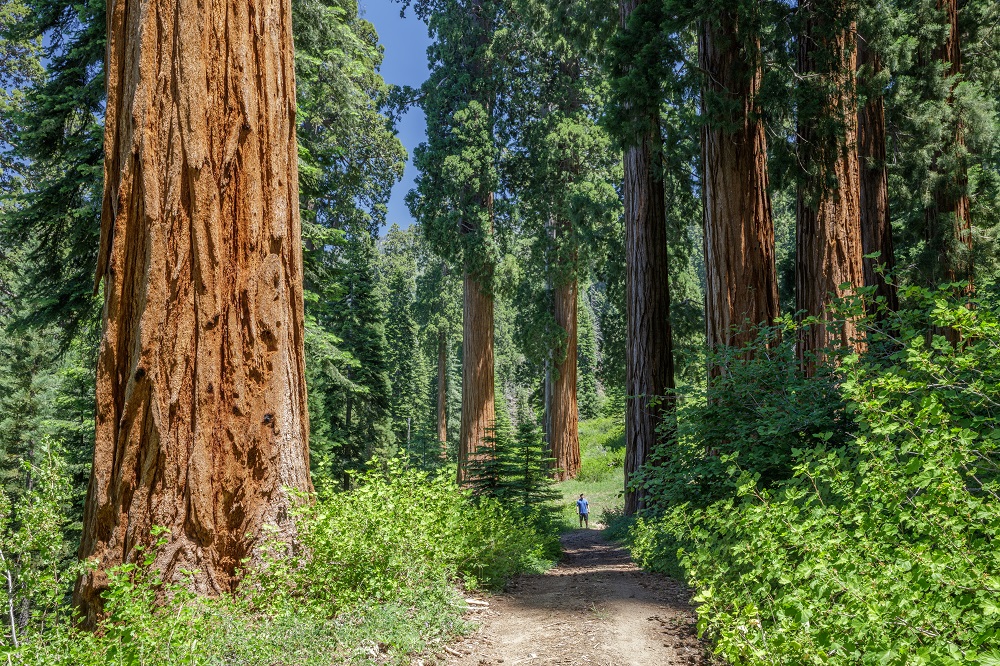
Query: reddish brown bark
(949, 217)
(201, 404)
(478, 409)
(649, 370)
(876, 227)
(742, 285)
(828, 230)
(565, 437)
(442, 392)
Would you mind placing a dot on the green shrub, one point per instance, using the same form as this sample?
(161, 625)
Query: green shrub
(880, 549)
(373, 578)
(755, 413)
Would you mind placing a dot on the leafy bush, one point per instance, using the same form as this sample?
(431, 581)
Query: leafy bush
(879, 549)
(373, 579)
(758, 410)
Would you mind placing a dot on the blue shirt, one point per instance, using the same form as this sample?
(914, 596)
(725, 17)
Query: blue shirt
(583, 506)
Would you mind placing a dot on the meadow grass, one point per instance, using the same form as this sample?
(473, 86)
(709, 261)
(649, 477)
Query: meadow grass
(601, 479)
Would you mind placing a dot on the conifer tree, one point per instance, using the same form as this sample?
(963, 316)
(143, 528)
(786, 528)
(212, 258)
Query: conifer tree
(649, 346)
(359, 321)
(438, 311)
(405, 358)
(741, 280)
(57, 137)
(828, 225)
(564, 173)
(201, 406)
(588, 394)
(876, 225)
(454, 198)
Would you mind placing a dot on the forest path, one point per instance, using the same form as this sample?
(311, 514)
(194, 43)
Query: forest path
(596, 607)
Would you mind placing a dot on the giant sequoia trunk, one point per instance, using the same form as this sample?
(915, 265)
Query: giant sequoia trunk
(949, 218)
(828, 230)
(201, 404)
(478, 409)
(564, 434)
(742, 285)
(876, 228)
(649, 370)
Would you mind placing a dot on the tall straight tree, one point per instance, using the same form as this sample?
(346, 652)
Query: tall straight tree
(201, 408)
(742, 284)
(949, 217)
(649, 366)
(876, 225)
(828, 226)
(564, 176)
(455, 189)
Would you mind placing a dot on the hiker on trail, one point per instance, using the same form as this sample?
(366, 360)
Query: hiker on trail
(583, 506)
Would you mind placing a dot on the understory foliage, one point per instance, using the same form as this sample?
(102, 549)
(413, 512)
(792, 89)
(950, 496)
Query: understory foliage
(375, 575)
(875, 545)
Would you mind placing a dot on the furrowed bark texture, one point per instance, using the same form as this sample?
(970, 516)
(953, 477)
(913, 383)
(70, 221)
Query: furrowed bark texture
(442, 392)
(742, 289)
(201, 403)
(876, 227)
(478, 409)
(950, 199)
(565, 436)
(828, 229)
(649, 372)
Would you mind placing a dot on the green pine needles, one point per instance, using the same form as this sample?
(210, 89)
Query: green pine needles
(513, 465)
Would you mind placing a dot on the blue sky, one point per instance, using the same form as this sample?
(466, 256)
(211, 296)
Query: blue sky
(405, 42)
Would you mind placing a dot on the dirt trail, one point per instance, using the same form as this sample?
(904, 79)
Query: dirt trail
(596, 607)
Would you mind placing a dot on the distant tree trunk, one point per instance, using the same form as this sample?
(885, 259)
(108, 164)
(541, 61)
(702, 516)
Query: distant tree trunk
(950, 199)
(742, 283)
(565, 438)
(442, 392)
(828, 229)
(478, 409)
(478, 406)
(876, 227)
(201, 401)
(648, 346)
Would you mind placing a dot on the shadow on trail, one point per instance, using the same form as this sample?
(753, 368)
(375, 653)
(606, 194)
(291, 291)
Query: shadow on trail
(595, 607)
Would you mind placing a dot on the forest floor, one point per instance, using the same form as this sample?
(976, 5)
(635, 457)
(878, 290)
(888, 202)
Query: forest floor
(596, 607)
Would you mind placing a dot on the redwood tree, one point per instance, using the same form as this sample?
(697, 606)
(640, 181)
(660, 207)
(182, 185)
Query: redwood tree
(828, 229)
(455, 188)
(876, 227)
(742, 287)
(948, 217)
(201, 405)
(649, 373)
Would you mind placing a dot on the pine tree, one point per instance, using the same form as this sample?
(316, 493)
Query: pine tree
(359, 321)
(54, 223)
(405, 358)
(514, 467)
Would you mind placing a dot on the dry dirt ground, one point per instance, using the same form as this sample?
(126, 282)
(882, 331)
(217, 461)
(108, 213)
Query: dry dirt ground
(596, 607)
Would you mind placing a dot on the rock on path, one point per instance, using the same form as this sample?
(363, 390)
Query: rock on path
(595, 608)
